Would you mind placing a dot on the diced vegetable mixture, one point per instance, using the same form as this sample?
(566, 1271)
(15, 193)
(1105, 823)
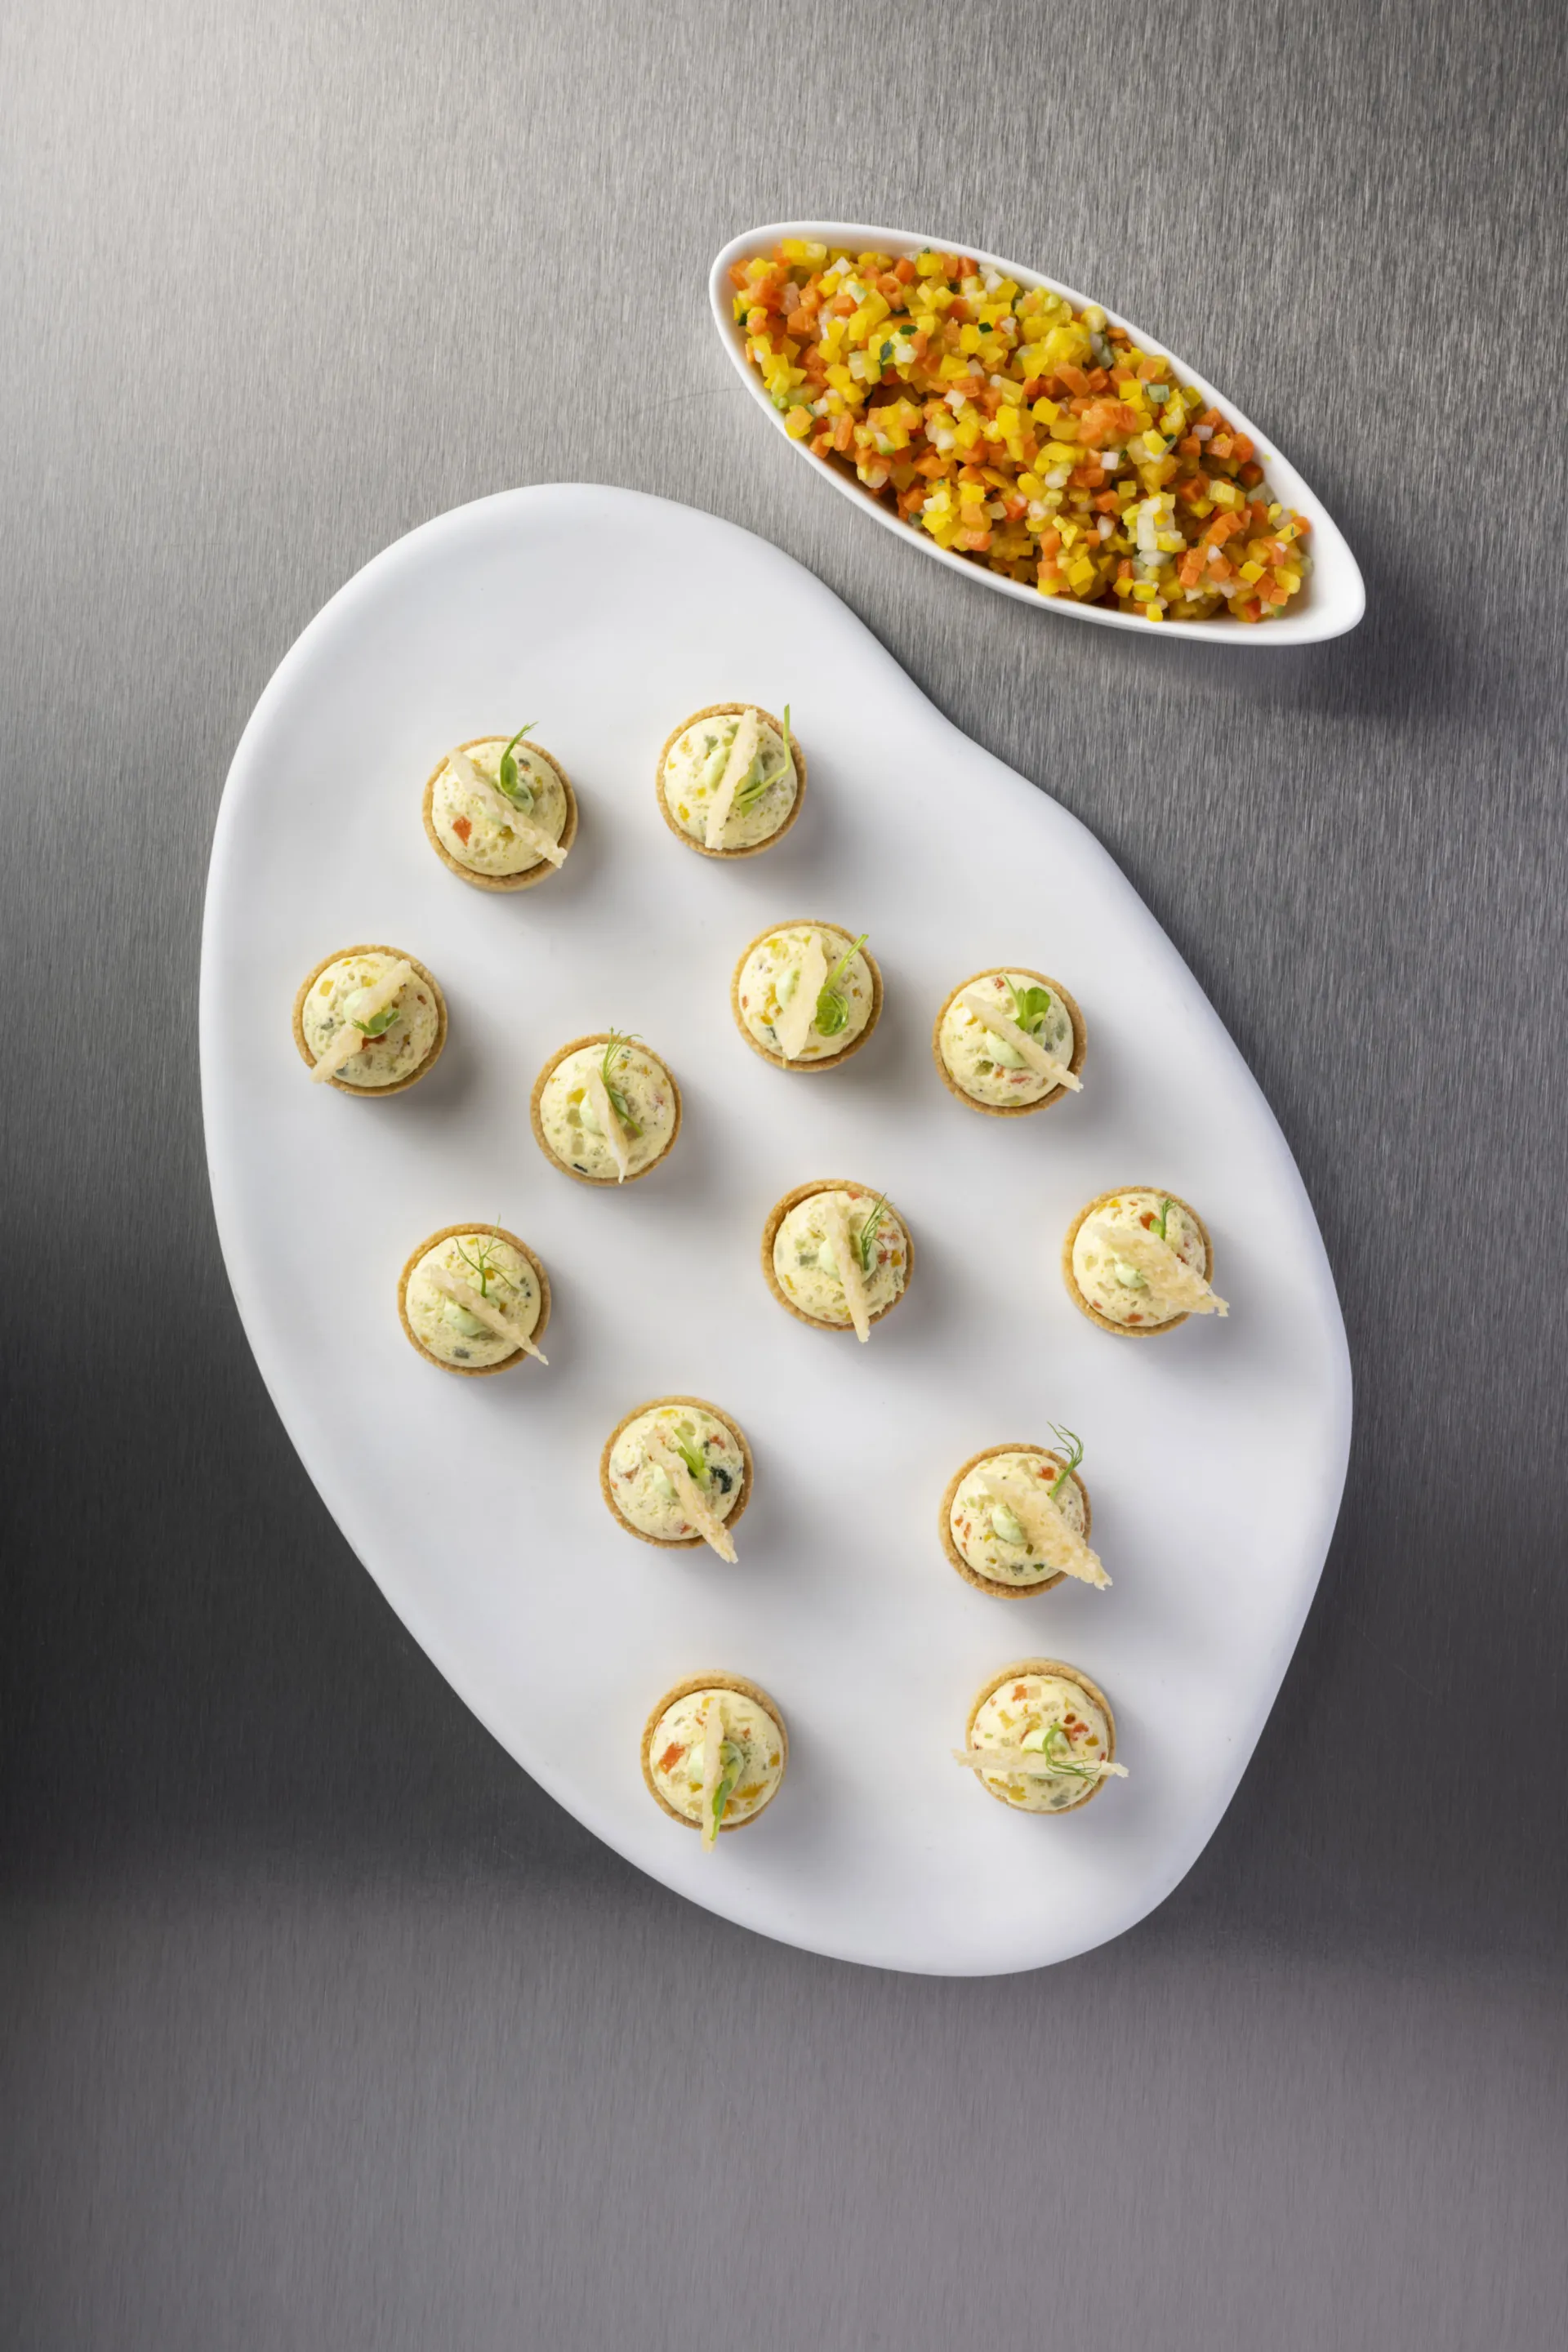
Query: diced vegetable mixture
(1031, 437)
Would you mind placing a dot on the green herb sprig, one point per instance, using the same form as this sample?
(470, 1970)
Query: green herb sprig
(832, 1012)
(379, 1022)
(759, 779)
(1159, 1224)
(615, 1052)
(518, 793)
(1030, 1006)
(483, 1263)
(1053, 1737)
(866, 1239)
(691, 1457)
(1072, 1447)
(732, 1759)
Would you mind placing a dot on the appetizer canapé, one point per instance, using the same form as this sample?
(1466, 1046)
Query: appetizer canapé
(678, 1472)
(806, 995)
(474, 1298)
(606, 1109)
(730, 779)
(713, 1753)
(1138, 1261)
(837, 1255)
(1010, 1041)
(1041, 1738)
(501, 814)
(1036, 439)
(1015, 1519)
(369, 1021)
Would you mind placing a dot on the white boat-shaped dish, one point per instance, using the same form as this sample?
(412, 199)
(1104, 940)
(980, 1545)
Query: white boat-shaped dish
(1216, 1456)
(1332, 599)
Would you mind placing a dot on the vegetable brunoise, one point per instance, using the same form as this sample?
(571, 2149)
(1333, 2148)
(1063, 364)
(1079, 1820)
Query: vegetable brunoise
(1023, 433)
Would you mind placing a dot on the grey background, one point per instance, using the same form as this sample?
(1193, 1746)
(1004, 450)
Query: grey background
(322, 2025)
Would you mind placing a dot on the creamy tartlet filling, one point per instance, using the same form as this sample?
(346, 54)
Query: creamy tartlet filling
(675, 1753)
(645, 1494)
(470, 827)
(803, 1263)
(572, 1128)
(695, 763)
(1116, 1289)
(334, 997)
(770, 978)
(1061, 1710)
(985, 1065)
(498, 1272)
(988, 1534)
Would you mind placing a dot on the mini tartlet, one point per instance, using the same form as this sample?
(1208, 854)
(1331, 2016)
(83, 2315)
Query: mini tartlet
(474, 1299)
(730, 779)
(370, 1020)
(991, 1064)
(1138, 1261)
(604, 1109)
(676, 1473)
(1041, 1708)
(1016, 1520)
(714, 1753)
(803, 1241)
(509, 821)
(792, 977)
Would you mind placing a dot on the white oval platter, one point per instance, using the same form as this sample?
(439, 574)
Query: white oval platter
(1333, 598)
(1217, 1454)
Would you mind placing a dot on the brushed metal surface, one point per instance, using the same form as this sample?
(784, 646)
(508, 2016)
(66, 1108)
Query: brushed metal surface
(321, 2024)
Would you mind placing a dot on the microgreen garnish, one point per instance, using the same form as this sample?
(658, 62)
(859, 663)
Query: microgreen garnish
(615, 1052)
(520, 794)
(379, 1022)
(1046, 1742)
(832, 1012)
(483, 1262)
(866, 1239)
(1159, 1224)
(1030, 1006)
(691, 1457)
(759, 779)
(1073, 1449)
(732, 1758)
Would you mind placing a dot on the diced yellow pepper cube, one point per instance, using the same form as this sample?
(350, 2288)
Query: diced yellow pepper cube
(1144, 590)
(797, 423)
(1252, 572)
(801, 248)
(929, 265)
